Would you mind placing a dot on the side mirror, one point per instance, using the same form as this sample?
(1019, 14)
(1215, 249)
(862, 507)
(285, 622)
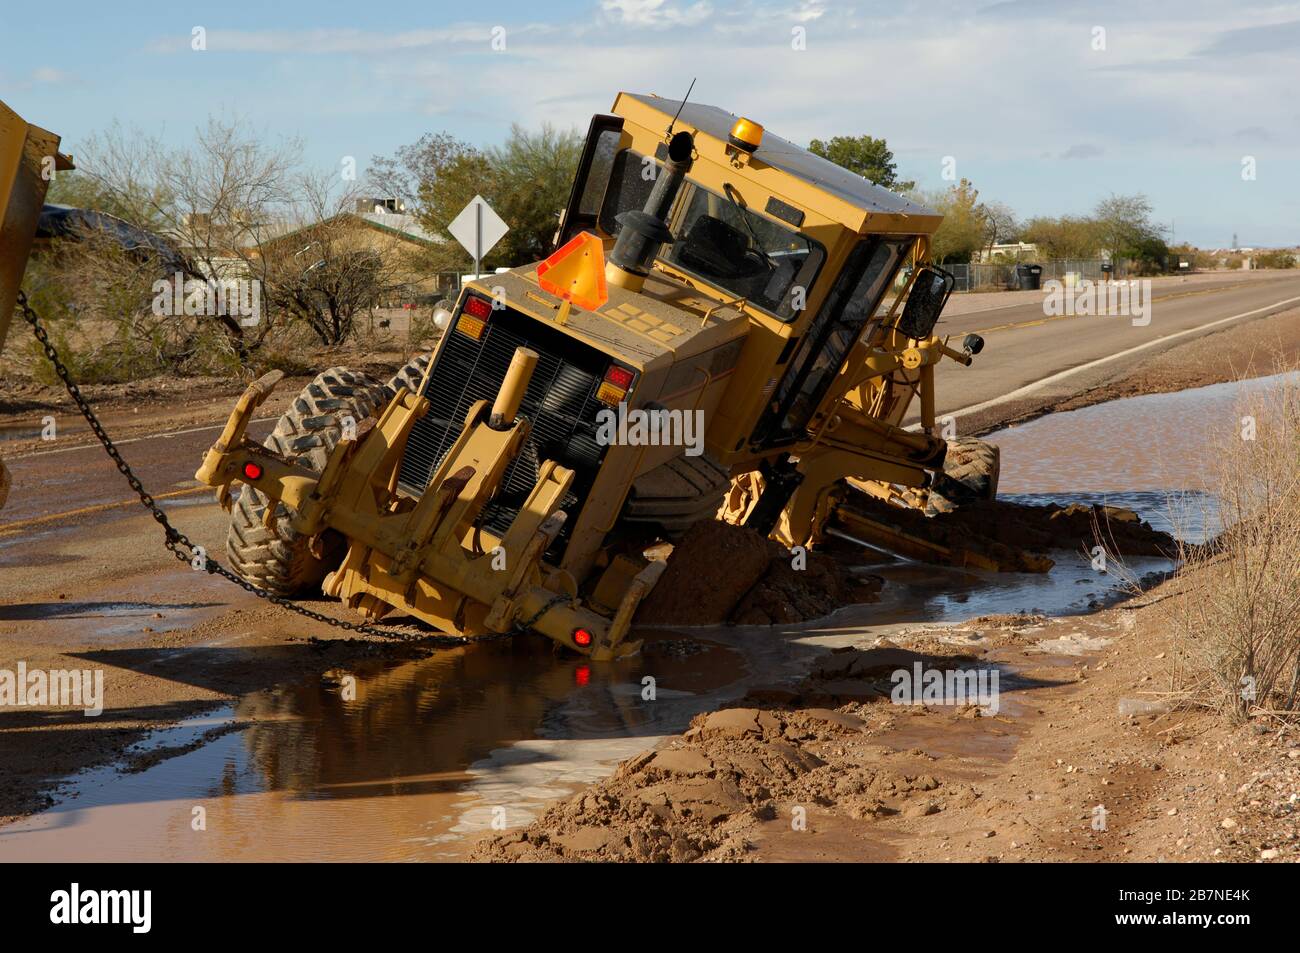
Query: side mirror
(925, 302)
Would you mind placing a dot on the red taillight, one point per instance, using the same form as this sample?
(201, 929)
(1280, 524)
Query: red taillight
(581, 637)
(474, 317)
(613, 389)
(479, 307)
(252, 471)
(620, 377)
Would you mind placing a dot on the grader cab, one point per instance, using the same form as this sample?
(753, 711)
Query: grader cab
(749, 349)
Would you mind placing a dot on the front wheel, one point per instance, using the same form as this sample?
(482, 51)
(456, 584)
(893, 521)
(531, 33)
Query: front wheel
(970, 473)
(281, 562)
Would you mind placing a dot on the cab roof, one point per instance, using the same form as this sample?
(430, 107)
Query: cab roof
(794, 160)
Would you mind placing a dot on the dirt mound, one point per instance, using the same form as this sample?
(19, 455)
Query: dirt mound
(704, 796)
(1004, 530)
(723, 573)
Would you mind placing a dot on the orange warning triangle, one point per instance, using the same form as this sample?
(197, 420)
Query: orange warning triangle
(576, 272)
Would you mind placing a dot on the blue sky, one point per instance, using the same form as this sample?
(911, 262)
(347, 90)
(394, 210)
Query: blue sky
(1039, 109)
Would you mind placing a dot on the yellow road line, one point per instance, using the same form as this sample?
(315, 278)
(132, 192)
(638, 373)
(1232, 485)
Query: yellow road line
(9, 529)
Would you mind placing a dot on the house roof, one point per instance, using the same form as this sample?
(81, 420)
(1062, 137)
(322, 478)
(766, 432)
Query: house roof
(400, 225)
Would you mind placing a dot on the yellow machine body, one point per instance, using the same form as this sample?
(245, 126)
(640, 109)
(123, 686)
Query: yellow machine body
(29, 160)
(422, 538)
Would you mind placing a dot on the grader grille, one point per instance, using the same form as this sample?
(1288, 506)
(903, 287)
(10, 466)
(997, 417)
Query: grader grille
(560, 403)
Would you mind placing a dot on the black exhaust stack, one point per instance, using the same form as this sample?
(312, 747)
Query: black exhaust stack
(645, 231)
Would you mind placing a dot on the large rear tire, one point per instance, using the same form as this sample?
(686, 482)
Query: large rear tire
(970, 474)
(281, 562)
(409, 376)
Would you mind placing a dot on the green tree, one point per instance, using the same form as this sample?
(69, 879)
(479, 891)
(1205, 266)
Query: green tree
(415, 169)
(964, 227)
(1064, 237)
(534, 173)
(867, 156)
(1124, 225)
(1150, 255)
(526, 180)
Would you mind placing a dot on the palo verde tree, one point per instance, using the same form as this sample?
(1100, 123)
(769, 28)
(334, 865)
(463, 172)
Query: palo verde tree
(962, 233)
(867, 156)
(526, 180)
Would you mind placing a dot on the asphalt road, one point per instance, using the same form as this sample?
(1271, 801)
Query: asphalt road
(1033, 360)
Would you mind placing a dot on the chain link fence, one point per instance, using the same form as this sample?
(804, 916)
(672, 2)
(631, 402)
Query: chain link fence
(999, 277)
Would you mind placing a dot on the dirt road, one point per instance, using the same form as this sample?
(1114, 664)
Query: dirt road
(84, 581)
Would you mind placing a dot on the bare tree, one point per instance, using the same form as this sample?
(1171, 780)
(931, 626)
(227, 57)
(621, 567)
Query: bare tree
(1000, 223)
(215, 197)
(331, 266)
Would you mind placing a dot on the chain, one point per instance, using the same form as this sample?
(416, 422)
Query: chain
(177, 543)
(550, 604)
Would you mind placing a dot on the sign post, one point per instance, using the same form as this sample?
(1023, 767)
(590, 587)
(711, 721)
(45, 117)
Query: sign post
(478, 228)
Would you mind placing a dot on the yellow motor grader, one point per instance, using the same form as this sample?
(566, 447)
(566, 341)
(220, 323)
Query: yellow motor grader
(29, 160)
(733, 328)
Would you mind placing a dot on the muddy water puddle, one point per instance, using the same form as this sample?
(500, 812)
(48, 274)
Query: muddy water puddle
(1151, 453)
(380, 762)
(172, 601)
(414, 760)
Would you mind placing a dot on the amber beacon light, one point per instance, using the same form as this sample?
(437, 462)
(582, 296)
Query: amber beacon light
(746, 135)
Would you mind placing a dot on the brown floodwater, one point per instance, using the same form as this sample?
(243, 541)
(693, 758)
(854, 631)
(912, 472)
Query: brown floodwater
(414, 760)
(1156, 454)
(1157, 442)
(381, 762)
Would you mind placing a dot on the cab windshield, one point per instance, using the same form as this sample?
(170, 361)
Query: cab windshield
(770, 266)
(721, 242)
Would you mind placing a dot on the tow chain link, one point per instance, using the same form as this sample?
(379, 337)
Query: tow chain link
(177, 543)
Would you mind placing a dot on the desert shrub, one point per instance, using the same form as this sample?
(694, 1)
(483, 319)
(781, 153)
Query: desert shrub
(1238, 620)
(1277, 258)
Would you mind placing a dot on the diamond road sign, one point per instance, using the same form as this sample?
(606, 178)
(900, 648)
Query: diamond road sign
(478, 229)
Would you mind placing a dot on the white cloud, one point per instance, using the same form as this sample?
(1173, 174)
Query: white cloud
(48, 74)
(656, 13)
(990, 91)
(809, 10)
(362, 42)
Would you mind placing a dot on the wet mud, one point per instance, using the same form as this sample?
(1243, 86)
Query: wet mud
(421, 758)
